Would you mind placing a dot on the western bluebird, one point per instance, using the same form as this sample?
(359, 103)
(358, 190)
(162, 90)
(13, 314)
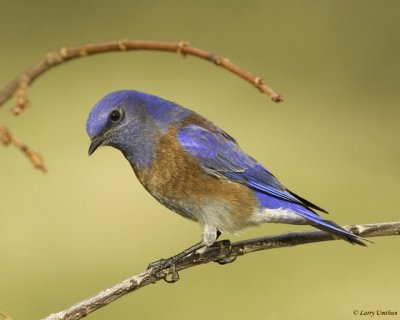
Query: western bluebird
(196, 169)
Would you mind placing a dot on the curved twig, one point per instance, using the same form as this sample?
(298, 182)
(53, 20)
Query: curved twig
(223, 252)
(19, 85)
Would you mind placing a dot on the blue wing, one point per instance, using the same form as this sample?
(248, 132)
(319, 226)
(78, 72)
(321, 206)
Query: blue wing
(219, 155)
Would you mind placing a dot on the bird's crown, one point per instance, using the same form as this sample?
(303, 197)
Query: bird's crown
(132, 102)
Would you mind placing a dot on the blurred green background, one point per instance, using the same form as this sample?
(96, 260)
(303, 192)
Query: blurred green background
(89, 224)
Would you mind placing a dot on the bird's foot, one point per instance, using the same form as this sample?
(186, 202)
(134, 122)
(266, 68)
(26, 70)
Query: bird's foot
(227, 247)
(169, 265)
(227, 260)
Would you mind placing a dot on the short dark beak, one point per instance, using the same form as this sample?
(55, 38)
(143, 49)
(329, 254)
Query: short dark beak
(96, 142)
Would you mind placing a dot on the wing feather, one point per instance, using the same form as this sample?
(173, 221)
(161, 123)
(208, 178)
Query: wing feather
(222, 157)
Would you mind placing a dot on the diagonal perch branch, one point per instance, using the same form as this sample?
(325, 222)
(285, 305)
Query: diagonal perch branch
(223, 251)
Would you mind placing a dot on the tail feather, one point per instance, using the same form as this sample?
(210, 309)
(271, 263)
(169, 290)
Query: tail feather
(306, 202)
(332, 228)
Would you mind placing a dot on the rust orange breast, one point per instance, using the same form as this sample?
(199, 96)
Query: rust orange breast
(178, 181)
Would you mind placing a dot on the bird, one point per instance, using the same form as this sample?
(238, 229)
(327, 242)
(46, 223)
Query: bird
(196, 169)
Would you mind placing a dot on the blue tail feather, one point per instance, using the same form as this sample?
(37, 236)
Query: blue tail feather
(331, 227)
(270, 202)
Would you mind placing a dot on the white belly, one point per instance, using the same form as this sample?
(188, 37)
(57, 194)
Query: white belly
(278, 216)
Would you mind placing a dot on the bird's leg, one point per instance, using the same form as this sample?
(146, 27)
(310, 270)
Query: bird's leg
(210, 236)
(161, 264)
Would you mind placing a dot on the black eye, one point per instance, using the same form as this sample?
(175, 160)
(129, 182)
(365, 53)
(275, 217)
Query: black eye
(115, 116)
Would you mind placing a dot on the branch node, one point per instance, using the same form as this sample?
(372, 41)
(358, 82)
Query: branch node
(214, 58)
(36, 160)
(180, 48)
(21, 95)
(122, 44)
(53, 58)
(258, 81)
(5, 136)
(224, 60)
(83, 51)
(276, 97)
(64, 53)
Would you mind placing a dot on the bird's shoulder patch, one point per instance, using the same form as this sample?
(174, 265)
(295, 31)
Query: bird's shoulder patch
(196, 120)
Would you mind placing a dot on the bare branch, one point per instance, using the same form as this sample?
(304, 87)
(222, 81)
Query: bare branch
(6, 138)
(18, 86)
(5, 316)
(222, 252)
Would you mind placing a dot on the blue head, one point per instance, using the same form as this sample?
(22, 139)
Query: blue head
(131, 121)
